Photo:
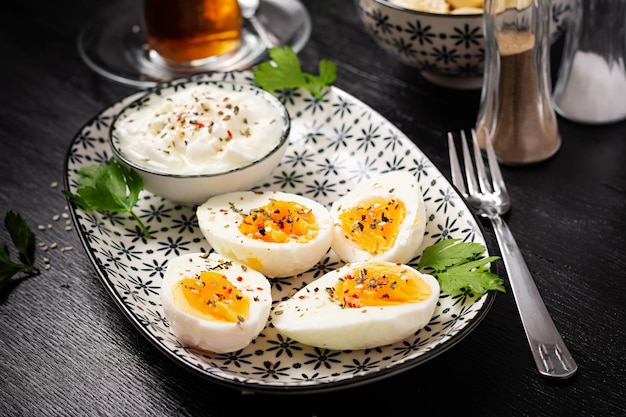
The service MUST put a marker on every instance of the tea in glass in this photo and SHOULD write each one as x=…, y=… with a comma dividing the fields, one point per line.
x=191, y=30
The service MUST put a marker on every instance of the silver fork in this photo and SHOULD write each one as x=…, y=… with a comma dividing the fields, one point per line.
x=490, y=199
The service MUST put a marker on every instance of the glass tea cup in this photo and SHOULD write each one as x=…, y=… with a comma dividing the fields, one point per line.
x=188, y=31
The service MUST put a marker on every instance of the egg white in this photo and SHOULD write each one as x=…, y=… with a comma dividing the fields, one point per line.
x=313, y=318
x=398, y=185
x=219, y=220
x=215, y=336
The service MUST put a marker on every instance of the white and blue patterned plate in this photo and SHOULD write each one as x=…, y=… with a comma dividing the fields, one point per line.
x=335, y=143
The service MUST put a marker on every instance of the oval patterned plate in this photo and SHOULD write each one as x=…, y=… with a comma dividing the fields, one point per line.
x=335, y=143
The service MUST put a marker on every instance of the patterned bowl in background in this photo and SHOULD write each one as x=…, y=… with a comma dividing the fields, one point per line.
x=447, y=49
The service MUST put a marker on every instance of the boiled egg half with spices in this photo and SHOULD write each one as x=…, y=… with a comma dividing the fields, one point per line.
x=279, y=234
x=213, y=303
x=381, y=219
x=359, y=306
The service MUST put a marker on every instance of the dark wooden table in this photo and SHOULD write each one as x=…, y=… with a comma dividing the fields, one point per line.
x=67, y=350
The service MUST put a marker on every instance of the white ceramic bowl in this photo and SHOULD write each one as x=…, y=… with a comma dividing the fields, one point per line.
x=195, y=188
x=447, y=49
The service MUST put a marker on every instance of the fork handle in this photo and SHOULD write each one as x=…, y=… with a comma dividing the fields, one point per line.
x=548, y=348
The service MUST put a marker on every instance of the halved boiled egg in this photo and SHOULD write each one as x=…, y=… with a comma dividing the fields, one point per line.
x=279, y=234
x=213, y=303
x=359, y=306
x=382, y=219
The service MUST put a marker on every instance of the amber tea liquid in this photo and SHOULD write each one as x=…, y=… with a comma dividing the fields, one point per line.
x=189, y=30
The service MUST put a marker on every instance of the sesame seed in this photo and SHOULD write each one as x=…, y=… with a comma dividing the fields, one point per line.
x=56, y=217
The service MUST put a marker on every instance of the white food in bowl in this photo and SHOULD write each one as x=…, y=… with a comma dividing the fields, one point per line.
x=196, y=139
x=202, y=130
x=456, y=6
x=432, y=6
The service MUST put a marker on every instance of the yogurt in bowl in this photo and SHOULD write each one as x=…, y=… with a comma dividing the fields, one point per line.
x=192, y=140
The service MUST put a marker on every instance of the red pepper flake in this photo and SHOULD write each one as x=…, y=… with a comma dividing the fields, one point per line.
x=230, y=134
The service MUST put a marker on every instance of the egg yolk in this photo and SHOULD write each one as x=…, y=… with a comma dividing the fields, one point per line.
x=213, y=297
x=380, y=285
x=280, y=222
x=375, y=225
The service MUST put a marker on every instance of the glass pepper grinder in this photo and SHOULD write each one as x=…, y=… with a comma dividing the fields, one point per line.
x=591, y=83
x=515, y=104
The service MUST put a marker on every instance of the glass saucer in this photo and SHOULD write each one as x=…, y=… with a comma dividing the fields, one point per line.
x=114, y=44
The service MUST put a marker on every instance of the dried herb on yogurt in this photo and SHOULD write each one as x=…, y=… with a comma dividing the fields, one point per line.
x=458, y=266
x=24, y=241
x=108, y=187
x=284, y=71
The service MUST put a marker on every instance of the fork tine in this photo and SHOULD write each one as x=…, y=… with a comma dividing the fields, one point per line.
x=483, y=179
x=472, y=185
x=499, y=186
x=455, y=169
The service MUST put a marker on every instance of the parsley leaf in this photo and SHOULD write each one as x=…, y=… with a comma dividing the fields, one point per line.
x=108, y=187
x=22, y=236
x=284, y=71
x=24, y=240
x=457, y=267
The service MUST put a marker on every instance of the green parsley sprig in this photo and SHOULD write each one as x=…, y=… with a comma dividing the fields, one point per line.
x=458, y=266
x=24, y=241
x=108, y=187
x=284, y=71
